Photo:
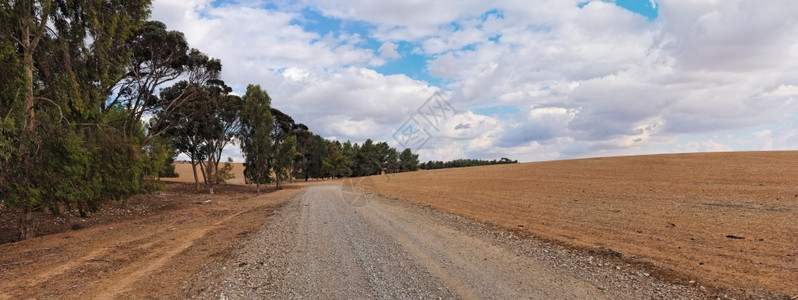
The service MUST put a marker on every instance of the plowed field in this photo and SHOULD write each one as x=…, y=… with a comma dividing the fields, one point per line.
x=726, y=220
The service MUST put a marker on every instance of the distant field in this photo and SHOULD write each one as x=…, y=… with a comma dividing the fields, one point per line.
x=185, y=173
x=721, y=219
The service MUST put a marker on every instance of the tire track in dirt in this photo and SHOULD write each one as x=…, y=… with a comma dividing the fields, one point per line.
x=157, y=259
x=110, y=260
x=48, y=274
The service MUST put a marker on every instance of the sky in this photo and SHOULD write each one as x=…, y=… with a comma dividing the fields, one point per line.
x=529, y=80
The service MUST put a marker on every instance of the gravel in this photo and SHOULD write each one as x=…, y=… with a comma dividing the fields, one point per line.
x=316, y=246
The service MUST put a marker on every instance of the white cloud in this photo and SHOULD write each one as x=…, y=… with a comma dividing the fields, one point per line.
x=351, y=103
x=596, y=80
x=388, y=50
x=706, y=146
x=729, y=36
x=252, y=41
x=401, y=19
x=764, y=138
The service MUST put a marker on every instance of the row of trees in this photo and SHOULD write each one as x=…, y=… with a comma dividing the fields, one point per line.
x=95, y=102
x=459, y=163
x=269, y=140
x=333, y=159
x=275, y=147
x=86, y=115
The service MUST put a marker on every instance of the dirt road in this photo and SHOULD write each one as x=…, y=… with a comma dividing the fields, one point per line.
x=317, y=246
x=152, y=257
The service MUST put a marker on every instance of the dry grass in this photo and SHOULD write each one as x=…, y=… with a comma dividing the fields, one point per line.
x=726, y=220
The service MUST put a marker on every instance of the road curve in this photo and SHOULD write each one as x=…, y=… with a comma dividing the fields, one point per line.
x=318, y=246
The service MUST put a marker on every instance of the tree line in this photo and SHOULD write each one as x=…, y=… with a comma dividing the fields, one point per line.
x=96, y=102
x=459, y=163
x=333, y=159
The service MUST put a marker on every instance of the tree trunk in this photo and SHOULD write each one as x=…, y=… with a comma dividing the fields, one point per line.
x=29, y=93
x=204, y=175
x=26, y=228
x=196, y=178
x=27, y=48
x=210, y=177
x=257, y=188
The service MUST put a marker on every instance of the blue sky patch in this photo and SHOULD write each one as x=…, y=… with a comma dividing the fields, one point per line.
x=495, y=110
x=641, y=7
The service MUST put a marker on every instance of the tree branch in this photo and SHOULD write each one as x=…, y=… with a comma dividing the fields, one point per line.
x=60, y=112
x=39, y=32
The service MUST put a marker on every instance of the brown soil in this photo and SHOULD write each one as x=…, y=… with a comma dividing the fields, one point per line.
x=724, y=220
x=135, y=254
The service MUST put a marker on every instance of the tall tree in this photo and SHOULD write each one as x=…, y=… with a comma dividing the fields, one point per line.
x=223, y=118
x=184, y=127
x=304, y=139
x=202, y=126
x=256, y=129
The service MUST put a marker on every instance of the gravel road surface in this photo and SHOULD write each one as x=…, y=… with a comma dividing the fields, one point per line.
x=316, y=246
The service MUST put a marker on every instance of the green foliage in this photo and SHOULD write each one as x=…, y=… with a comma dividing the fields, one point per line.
x=459, y=163
x=318, y=151
x=283, y=161
x=333, y=159
x=408, y=161
x=59, y=63
x=183, y=128
x=335, y=163
x=255, y=135
x=368, y=159
x=159, y=159
x=201, y=126
x=226, y=172
x=159, y=56
x=221, y=127
x=168, y=168
x=12, y=80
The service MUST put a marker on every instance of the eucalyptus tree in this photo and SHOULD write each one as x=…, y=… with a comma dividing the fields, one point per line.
x=201, y=127
x=223, y=118
x=257, y=125
x=183, y=127
x=59, y=61
x=160, y=56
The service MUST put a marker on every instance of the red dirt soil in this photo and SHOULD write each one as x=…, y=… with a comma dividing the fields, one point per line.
x=723, y=220
x=137, y=255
